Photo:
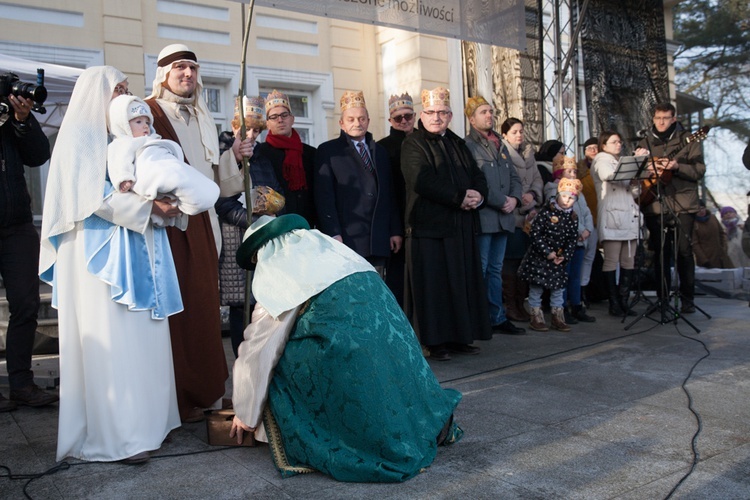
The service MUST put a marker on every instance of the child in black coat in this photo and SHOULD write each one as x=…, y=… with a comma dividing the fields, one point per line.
x=554, y=233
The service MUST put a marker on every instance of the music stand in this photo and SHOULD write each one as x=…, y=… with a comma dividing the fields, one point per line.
x=631, y=167
x=668, y=313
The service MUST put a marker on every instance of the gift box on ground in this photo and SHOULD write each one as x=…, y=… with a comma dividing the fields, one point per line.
x=218, y=425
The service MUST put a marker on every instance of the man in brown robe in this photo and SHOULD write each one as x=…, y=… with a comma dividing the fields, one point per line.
x=180, y=114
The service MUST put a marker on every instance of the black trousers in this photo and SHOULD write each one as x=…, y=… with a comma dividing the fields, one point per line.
x=685, y=262
x=19, y=267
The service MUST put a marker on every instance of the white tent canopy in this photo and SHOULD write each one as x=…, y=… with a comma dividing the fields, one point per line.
x=58, y=80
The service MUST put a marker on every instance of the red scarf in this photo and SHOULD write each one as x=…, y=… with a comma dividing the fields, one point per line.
x=493, y=138
x=293, y=171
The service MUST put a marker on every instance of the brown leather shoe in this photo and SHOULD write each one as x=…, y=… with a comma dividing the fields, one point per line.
x=33, y=395
x=7, y=405
x=137, y=459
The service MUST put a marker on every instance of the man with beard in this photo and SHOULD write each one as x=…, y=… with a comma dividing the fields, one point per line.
x=496, y=220
x=444, y=189
x=180, y=114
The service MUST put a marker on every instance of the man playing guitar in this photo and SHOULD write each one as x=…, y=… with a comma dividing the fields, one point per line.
x=678, y=184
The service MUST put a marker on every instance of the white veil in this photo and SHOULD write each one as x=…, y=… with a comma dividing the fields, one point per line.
x=75, y=186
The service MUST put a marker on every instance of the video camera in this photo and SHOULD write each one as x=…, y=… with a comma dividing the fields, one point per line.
x=11, y=84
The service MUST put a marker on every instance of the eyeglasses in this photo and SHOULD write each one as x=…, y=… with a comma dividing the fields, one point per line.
x=399, y=118
x=120, y=90
x=283, y=116
x=441, y=114
x=592, y=148
x=614, y=143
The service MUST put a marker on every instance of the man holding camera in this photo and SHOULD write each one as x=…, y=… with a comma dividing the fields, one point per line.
x=22, y=142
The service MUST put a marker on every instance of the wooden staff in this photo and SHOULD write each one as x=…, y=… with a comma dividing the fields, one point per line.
x=243, y=135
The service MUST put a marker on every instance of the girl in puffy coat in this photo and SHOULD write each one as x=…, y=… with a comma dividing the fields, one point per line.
x=619, y=220
x=554, y=233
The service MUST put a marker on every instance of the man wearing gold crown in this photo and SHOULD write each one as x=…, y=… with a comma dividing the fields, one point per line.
x=353, y=188
x=402, y=120
x=181, y=115
x=292, y=160
x=444, y=189
x=496, y=220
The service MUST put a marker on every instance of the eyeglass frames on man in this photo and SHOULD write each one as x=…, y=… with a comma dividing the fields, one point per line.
x=399, y=118
x=283, y=116
x=122, y=90
x=441, y=113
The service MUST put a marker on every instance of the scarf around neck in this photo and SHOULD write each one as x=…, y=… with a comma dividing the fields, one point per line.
x=518, y=160
x=292, y=167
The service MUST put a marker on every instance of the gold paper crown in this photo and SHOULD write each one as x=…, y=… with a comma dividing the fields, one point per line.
x=276, y=98
x=472, y=104
x=565, y=163
x=253, y=107
x=572, y=186
x=436, y=96
x=400, y=101
x=352, y=99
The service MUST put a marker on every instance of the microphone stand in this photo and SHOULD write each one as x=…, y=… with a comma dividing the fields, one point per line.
x=668, y=313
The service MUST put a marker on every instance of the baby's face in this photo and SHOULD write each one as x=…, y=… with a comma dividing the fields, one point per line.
x=140, y=126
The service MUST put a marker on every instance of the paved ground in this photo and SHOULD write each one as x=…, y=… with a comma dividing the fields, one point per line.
x=596, y=413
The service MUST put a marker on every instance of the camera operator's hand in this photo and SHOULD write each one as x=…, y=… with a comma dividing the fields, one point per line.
x=21, y=107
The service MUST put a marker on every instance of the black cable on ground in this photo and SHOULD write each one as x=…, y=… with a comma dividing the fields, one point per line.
x=62, y=466
x=699, y=421
x=65, y=465
x=693, y=443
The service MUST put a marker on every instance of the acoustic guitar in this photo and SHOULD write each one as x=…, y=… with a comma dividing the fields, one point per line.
x=648, y=186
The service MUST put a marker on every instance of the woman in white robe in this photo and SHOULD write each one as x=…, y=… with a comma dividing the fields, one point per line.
x=117, y=392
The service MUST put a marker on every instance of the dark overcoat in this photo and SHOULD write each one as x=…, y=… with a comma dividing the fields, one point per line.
x=352, y=202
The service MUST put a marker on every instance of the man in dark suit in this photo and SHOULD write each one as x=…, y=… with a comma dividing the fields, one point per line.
x=353, y=188
x=402, y=120
x=292, y=160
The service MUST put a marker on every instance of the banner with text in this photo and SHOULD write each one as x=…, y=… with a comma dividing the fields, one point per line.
x=494, y=22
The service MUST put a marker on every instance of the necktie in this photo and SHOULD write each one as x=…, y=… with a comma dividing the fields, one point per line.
x=365, y=156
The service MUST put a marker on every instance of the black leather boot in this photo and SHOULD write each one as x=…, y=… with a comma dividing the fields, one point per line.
x=615, y=309
x=626, y=279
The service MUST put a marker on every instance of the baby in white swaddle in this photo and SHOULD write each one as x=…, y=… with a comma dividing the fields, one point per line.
x=140, y=160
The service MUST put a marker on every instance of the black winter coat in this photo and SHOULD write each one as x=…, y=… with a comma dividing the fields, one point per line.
x=392, y=144
x=553, y=230
x=433, y=196
x=297, y=202
x=681, y=193
x=20, y=144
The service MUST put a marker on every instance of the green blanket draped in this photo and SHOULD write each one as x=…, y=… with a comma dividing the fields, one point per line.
x=352, y=396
